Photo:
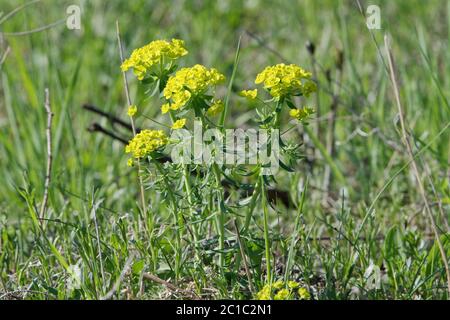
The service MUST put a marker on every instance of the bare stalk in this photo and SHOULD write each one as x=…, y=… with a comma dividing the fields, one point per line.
x=49, y=154
x=331, y=139
x=170, y=286
x=406, y=141
x=127, y=93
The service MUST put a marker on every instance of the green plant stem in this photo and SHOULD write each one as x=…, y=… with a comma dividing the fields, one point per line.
x=294, y=235
x=220, y=217
x=267, y=243
x=188, y=188
x=178, y=219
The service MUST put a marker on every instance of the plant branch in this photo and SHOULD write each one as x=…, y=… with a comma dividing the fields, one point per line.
x=49, y=153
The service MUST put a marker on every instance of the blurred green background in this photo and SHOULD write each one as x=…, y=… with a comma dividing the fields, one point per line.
x=83, y=67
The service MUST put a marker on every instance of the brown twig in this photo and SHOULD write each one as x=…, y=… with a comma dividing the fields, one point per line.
x=95, y=127
x=49, y=153
x=113, y=119
x=171, y=287
x=406, y=141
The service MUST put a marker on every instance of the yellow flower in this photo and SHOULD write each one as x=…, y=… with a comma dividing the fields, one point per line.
x=308, y=88
x=188, y=82
x=280, y=290
x=145, y=142
x=132, y=110
x=293, y=285
x=283, y=294
x=301, y=114
x=304, y=294
x=282, y=80
x=216, y=108
x=264, y=294
x=278, y=285
x=250, y=94
x=130, y=162
x=154, y=53
x=165, y=108
x=179, y=124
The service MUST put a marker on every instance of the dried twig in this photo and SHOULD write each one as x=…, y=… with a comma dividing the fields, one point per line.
x=127, y=93
x=95, y=127
x=168, y=285
x=116, y=285
x=406, y=141
x=49, y=153
x=113, y=119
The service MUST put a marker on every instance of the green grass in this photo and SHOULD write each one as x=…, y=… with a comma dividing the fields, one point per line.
x=366, y=238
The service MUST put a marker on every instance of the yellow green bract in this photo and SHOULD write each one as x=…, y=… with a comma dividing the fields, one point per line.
x=188, y=82
x=250, y=94
x=215, y=108
x=301, y=114
x=179, y=124
x=280, y=290
x=282, y=80
x=145, y=142
x=156, y=52
x=132, y=110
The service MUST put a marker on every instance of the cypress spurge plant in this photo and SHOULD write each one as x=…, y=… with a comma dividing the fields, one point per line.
x=206, y=192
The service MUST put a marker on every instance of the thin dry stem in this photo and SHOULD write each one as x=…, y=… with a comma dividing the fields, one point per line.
x=171, y=287
x=405, y=138
x=49, y=154
x=127, y=93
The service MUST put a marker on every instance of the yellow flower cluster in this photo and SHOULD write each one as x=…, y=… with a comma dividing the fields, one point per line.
x=283, y=291
x=215, y=108
x=179, y=124
x=132, y=110
x=156, y=52
x=188, y=82
x=249, y=94
x=282, y=80
x=145, y=142
x=301, y=114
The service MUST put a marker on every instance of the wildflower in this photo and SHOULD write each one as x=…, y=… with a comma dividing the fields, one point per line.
x=146, y=142
x=282, y=80
x=216, y=108
x=280, y=290
x=283, y=294
x=301, y=114
x=132, y=110
x=264, y=294
x=189, y=82
x=249, y=94
x=179, y=124
x=165, y=108
x=278, y=284
x=155, y=53
x=293, y=285
x=304, y=294
x=130, y=162
x=308, y=88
